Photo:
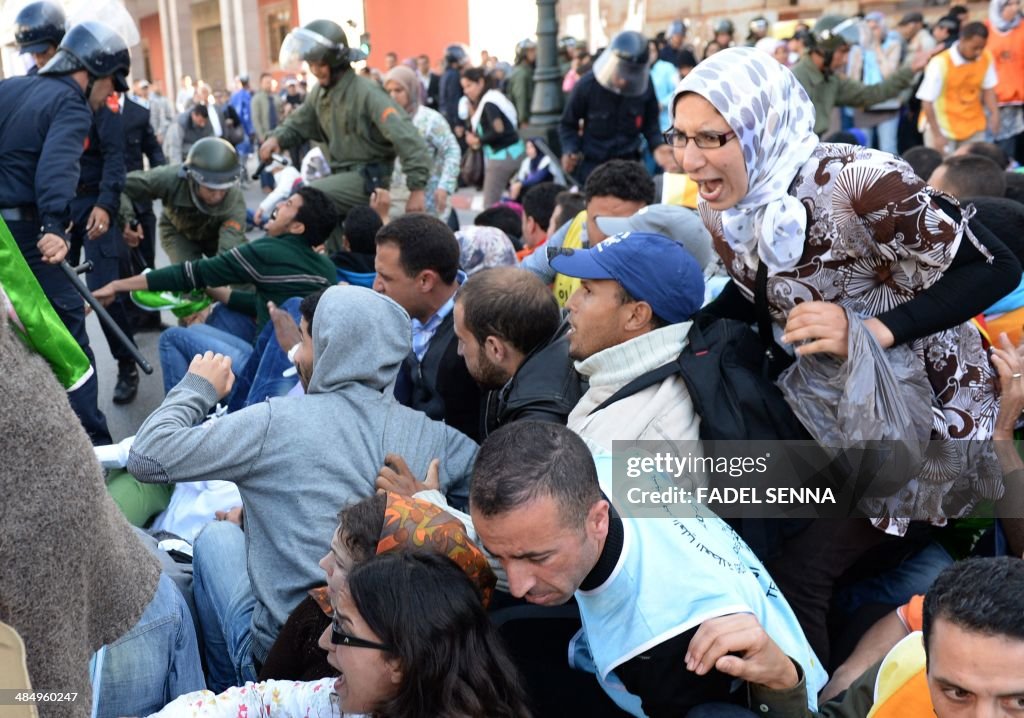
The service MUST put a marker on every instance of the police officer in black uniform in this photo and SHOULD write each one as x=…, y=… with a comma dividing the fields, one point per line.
x=43, y=129
x=617, y=108
x=449, y=88
x=95, y=230
x=140, y=141
x=38, y=30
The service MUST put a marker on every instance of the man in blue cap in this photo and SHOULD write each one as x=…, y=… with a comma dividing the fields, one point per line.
x=631, y=315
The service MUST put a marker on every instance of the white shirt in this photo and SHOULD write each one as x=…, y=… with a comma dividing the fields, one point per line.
x=934, y=80
x=214, y=119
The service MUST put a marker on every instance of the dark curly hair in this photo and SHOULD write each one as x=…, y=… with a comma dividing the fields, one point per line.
x=318, y=214
x=623, y=179
x=980, y=595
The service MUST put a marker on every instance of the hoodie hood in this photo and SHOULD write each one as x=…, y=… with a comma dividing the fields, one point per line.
x=359, y=337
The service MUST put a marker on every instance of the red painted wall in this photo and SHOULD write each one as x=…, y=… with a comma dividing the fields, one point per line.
x=411, y=27
x=149, y=30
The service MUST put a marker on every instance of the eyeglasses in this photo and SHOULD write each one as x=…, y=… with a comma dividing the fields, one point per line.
x=340, y=638
x=704, y=140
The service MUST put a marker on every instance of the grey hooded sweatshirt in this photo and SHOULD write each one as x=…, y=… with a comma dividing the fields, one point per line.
x=298, y=460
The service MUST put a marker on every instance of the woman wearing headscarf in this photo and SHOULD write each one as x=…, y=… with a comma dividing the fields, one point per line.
x=482, y=248
x=445, y=155
x=382, y=522
x=775, y=47
x=828, y=228
x=1006, y=43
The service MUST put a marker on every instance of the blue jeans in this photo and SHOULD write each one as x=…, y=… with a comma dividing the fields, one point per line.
x=262, y=377
x=232, y=322
x=897, y=585
x=886, y=135
x=152, y=664
x=225, y=603
x=179, y=345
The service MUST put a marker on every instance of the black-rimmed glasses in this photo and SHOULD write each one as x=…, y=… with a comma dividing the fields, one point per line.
x=340, y=638
x=704, y=140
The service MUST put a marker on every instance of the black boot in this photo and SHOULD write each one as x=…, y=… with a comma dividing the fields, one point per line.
x=127, y=383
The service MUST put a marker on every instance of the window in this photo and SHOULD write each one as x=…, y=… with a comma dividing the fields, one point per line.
x=279, y=24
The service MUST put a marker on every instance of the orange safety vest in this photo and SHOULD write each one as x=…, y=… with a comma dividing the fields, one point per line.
x=901, y=686
x=958, y=108
x=1007, y=50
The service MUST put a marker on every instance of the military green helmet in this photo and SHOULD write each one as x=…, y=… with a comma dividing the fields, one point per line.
x=832, y=32
x=212, y=162
x=319, y=41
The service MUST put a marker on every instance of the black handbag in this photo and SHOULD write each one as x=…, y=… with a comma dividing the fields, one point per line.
x=471, y=173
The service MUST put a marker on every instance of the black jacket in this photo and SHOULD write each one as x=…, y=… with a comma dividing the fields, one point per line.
x=440, y=386
x=102, y=166
x=139, y=137
x=43, y=128
x=546, y=388
x=433, y=92
x=613, y=125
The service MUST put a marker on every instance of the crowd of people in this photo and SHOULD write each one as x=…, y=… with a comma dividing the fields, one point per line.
x=384, y=479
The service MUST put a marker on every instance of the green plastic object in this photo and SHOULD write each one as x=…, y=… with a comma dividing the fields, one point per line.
x=181, y=304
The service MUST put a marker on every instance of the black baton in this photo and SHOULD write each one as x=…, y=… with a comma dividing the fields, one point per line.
x=259, y=170
x=105, y=317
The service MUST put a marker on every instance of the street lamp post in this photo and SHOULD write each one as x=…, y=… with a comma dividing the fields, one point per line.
x=546, y=108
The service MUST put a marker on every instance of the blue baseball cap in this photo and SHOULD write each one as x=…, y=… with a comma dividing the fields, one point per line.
x=651, y=267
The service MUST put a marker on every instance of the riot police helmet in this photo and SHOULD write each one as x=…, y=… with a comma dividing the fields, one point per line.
x=212, y=162
x=95, y=48
x=320, y=41
x=832, y=33
x=725, y=27
x=676, y=27
x=455, y=55
x=524, y=46
x=622, y=68
x=759, y=26
x=39, y=25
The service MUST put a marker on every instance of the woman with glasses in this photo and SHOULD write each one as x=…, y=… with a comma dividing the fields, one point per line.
x=363, y=645
x=432, y=649
x=823, y=228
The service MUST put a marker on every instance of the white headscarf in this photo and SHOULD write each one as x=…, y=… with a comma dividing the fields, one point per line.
x=995, y=16
x=773, y=119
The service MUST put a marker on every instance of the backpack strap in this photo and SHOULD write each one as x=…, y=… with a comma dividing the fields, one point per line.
x=650, y=378
x=695, y=344
x=776, y=356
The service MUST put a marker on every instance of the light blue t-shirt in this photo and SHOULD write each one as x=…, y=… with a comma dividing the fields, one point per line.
x=672, y=575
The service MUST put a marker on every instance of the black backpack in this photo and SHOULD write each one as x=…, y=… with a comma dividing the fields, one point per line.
x=730, y=371
x=726, y=368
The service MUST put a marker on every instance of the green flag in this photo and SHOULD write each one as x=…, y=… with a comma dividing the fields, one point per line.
x=34, y=318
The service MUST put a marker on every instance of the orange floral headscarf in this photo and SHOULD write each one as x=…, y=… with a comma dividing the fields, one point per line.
x=411, y=523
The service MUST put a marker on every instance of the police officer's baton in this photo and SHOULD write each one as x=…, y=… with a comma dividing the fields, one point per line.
x=105, y=317
x=259, y=170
